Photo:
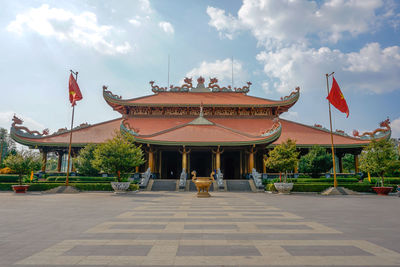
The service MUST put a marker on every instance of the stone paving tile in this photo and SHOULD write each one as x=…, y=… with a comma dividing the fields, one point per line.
x=107, y=250
x=210, y=226
x=179, y=229
x=325, y=251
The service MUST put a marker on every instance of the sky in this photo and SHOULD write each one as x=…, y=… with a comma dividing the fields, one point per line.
x=277, y=45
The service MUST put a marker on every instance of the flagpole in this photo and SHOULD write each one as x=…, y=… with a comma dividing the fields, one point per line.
x=70, y=135
x=330, y=123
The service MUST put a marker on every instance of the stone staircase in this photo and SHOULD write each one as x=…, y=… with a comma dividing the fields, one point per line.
x=238, y=186
x=164, y=185
x=173, y=185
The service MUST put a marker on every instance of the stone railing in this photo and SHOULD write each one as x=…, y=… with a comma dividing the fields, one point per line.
x=144, y=181
x=220, y=179
x=182, y=179
x=257, y=179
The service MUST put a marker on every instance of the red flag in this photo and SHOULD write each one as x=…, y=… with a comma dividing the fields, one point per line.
x=74, y=91
x=337, y=99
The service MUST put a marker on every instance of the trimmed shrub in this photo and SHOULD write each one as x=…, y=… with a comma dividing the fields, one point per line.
x=328, y=180
x=80, y=186
x=9, y=178
x=81, y=179
x=319, y=187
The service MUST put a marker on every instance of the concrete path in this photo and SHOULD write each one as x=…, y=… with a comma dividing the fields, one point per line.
x=176, y=228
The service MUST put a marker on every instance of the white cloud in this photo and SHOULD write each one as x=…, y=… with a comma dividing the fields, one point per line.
x=135, y=22
x=145, y=6
x=290, y=115
x=372, y=58
x=82, y=29
x=222, y=70
x=223, y=22
x=395, y=128
x=266, y=87
x=166, y=27
x=372, y=69
x=6, y=121
x=273, y=22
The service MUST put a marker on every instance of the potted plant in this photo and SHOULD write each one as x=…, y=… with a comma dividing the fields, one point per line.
x=283, y=158
x=379, y=157
x=22, y=163
x=118, y=155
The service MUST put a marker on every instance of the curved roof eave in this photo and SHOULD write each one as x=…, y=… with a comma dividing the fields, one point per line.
x=267, y=139
x=112, y=99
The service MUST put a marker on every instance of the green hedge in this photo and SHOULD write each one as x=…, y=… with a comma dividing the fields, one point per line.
x=8, y=178
x=80, y=186
x=327, y=180
x=319, y=187
x=389, y=180
x=313, y=180
x=80, y=178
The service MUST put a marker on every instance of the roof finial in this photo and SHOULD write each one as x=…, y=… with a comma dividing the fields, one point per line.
x=201, y=109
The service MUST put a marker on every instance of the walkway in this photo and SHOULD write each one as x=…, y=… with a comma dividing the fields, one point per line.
x=171, y=228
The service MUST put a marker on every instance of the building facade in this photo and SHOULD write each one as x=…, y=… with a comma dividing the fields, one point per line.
x=200, y=128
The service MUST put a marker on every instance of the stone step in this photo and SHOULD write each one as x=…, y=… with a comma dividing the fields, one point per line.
x=164, y=185
x=238, y=186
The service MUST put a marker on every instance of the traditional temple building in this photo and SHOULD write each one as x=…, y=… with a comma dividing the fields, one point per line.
x=200, y=128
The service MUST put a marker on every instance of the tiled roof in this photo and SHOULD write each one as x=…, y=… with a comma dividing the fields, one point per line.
x=195, y=99
x=178, y=130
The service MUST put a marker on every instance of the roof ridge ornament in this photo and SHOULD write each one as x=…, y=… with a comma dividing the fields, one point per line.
x=212, y=87
x=377, y=133
x=109, y=93
x=292, y=94
x=274, y=128
x=24, y=130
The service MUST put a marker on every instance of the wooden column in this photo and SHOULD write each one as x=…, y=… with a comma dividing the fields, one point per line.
x=73, y=156
x=251, y=159
x=137, y=169
x=59, y=162
x=185, y=153
x=340, y=157
x=44, y=160
x=151, y=160
x=217, y=153
x=356, y=169
x=265, y=164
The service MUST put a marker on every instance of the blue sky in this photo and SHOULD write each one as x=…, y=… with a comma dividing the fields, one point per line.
x=277, y=45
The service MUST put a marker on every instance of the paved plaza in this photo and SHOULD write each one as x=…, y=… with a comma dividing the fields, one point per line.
x=176, y=228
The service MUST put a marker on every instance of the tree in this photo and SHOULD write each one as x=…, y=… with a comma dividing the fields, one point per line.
x=84, y=162
x=379, y=157
x=23, y=163
x=118, y=155
x=316, y=161
x=283, y=157
x=7, y=145
x=348, y=162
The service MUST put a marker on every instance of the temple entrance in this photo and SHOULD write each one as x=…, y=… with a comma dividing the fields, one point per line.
x=171, y=164
x=201, y=162
x=230, y=164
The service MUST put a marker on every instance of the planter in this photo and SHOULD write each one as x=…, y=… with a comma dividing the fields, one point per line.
x=20, y=188
x=120, y=187
x=283, y=188
x=383, y=190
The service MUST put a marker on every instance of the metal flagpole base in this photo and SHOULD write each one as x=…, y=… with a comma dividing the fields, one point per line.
x=338, y=191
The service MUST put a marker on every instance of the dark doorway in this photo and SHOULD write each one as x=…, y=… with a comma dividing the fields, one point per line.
x=230, y=164
x=171, y=164
x=200, y=161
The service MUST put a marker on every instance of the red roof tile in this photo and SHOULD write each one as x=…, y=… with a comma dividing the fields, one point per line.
x=191, y=98
x=177, y=129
